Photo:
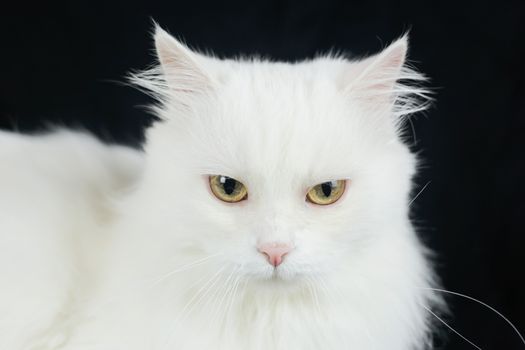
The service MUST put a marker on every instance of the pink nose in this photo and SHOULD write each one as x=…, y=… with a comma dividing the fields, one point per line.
x=275, y=252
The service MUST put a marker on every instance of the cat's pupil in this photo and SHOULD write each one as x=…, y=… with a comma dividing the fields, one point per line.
x=229, y=185
x=326, y=188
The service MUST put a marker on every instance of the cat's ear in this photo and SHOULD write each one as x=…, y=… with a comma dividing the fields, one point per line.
x=384, y=81
x=181, y=67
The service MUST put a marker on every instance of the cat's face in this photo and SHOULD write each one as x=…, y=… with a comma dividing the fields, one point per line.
x=276, y=131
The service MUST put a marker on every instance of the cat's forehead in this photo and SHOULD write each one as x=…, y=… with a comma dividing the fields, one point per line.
x=276, y=118
x=277, y=93
x=282, y=77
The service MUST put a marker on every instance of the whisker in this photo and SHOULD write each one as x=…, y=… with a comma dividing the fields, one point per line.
x=221, y=296
x=326, y=290
x=313, y=292
x=228, y=309
x=417, y=195
x=483, y=304
x=451, y=328
x=232, y=298
x=184, y=268
x=203, y=292
x=142, y=286
x=206, y=287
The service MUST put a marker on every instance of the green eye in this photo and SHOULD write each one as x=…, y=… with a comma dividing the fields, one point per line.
x=327, y=192
x=228, y=189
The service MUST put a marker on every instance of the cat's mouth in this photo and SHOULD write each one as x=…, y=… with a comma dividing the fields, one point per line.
x=273, y=275
x=282, y=274
x=281, y=281
x=289, y=272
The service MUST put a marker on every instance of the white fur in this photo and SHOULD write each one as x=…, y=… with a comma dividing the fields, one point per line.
x=55, y=194
x=172, y=267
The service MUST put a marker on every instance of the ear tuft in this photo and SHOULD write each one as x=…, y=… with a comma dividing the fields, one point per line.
x=170, y=51
x=179, y=64
x=178, y=79
x=385, y=81
x=394, y=56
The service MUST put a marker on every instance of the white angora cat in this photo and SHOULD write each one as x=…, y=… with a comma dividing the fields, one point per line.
x=269, y=210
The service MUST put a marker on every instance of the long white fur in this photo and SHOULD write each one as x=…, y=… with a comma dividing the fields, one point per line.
x=169, y=266
x=55, y=194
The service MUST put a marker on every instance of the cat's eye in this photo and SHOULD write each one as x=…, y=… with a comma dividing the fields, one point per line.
x=327, y=192
x=228, y=189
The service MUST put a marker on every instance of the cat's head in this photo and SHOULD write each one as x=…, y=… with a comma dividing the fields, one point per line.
x=276, y=171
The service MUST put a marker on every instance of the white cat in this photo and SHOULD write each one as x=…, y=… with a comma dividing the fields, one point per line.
x=269, y=210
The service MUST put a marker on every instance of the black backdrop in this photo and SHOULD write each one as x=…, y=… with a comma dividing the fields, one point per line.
x=60, y=62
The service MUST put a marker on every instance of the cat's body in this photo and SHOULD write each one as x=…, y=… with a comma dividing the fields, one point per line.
x=56, y=192
x=149, y=259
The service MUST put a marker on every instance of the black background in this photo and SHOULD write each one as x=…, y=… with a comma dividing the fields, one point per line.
x=61, y=62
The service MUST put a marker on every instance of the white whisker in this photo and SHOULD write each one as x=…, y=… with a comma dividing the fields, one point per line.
x=227, y=318
x=188, y=307
x=203, y=292
x=451, y=328
x=221, y=295
x=184, y=268
x=313, y=291
x=232, y=298
x=417, y=195
x=483, y=304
